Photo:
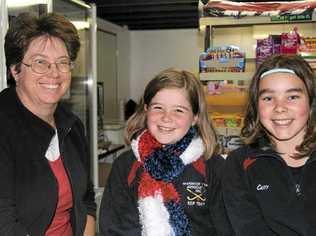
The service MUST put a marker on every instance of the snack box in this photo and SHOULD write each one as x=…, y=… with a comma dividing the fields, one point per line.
x=226, y=120
x=226, y=95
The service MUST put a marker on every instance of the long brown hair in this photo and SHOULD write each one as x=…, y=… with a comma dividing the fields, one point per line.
x=253, y=130
x=173, y=78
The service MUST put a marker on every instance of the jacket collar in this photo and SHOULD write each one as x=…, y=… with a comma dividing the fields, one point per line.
x=263, y=148
x=28, y=122
x=313, y=157
x=64, y=119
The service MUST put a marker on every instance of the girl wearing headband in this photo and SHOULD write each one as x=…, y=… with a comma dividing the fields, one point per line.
x=269, y=186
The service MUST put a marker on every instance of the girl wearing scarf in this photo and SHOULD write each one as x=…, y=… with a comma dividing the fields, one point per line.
x=168, y=184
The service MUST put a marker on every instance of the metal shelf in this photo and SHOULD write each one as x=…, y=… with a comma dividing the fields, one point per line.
x=246, y=20
x=235, y=76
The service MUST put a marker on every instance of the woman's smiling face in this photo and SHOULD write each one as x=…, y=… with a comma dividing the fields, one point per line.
x=38, y=91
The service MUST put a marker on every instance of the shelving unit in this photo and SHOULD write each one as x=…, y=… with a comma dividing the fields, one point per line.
x=246, y=20
x=253, y=26
x=215, y=76
x=230, y=22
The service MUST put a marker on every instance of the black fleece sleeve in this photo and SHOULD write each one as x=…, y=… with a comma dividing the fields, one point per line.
x=89, y=197
x=216, y=203
x=118, y=211
x=241, y=204
x=10, y=225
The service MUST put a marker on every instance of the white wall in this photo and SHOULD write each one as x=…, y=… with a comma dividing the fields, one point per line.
x=153, y=51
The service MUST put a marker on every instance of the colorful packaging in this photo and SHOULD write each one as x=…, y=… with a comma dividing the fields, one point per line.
x=267, y=47
x=229, y=120
x=222, y=59
x=307, y=49
x=264, y=49
x=290, y=42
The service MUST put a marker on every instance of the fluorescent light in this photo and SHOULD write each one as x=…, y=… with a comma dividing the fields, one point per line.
x=24, y=3
x=81, y=24
x=79, y=2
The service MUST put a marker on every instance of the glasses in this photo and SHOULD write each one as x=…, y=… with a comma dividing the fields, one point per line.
x=41, y=66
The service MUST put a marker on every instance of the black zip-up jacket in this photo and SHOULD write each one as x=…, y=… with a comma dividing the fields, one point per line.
x=28, y=187
x=201, y=197
x=261, y=197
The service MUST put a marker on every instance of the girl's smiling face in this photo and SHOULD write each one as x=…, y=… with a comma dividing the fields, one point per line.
x=169, y=115
x=284, y=108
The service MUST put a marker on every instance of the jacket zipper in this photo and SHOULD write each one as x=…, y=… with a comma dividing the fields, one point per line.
x=298, y=187
x=56, y=197
x=52, y=215
x=68, y=174
x=56, y=184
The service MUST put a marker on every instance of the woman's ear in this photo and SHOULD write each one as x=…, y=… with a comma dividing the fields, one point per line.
x=145, y=107
x=14, y=73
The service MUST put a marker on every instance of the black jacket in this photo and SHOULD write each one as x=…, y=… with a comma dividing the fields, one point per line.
x=261, y=196
x=28, y=187
x=119, y=215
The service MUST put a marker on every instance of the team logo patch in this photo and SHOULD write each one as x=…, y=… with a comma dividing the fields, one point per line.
x=195, y=193
x=263, y=187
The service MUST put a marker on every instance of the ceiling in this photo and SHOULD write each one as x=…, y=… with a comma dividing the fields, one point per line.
x=153, y=14
x=149, y=14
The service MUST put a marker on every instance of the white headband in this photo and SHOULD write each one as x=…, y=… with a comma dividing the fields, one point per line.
x=277, y=70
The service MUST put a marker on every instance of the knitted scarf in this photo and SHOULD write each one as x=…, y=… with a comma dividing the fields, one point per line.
x=159, y=203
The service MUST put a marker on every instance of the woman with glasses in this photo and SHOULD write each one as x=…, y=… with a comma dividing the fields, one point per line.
x=44, y=162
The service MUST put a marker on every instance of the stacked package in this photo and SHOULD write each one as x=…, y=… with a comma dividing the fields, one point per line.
x=307, y=49
x=267, y=47
x=286, y=43
x=222, y=59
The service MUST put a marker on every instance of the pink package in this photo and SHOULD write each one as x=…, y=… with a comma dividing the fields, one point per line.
x=290, y=42
x=264, y=49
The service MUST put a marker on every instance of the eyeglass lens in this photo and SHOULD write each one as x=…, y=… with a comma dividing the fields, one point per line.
x=40, y=66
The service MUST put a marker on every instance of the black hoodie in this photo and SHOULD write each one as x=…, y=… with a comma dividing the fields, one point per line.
x=262, y=198
x=119, y=213
x=28, y=187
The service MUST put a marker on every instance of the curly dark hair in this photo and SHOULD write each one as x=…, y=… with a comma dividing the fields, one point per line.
x=253, y=131
x=27, y=27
